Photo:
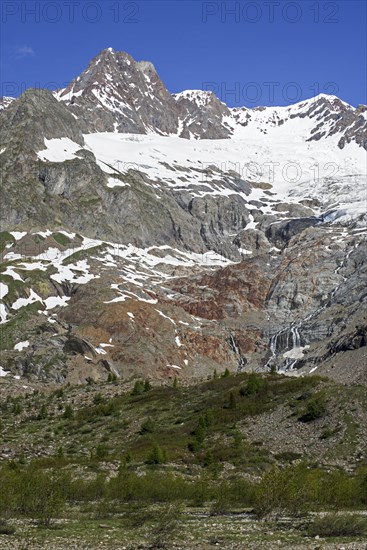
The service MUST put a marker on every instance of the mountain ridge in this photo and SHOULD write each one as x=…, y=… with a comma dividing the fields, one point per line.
x=130, y=97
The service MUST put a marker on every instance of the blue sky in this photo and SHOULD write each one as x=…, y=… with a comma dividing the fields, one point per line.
x=249, y=53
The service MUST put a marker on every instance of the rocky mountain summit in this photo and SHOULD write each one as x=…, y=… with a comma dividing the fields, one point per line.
x=145, y=233
x=115, y=93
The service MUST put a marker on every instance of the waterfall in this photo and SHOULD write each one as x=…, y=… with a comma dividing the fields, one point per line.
x=287, y=344
x=236, y=350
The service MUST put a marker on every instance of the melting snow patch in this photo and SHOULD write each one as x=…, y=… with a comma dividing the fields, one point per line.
x=120, y=298
x=66, y=273
x=21, y=345
x=18, y=234
x=21, y=302
x=3, y=290
x=43, y=234
x=101, y=351
x=54, y=301
x=165, y=316
x=114, y=182
x=12, y=256
x=178, y=341
x=59, y=150
x=11, y=273
x=3, y=314
x=295, y=353
x=3, y=372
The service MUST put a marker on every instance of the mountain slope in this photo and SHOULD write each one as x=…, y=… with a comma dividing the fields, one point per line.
x=127, y=249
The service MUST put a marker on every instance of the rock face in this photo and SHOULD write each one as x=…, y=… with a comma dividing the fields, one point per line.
x=34, y=117
x=116, y=93
x=127, y=249
x=202, y=115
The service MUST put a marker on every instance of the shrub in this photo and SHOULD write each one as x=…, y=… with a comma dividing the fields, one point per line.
x=98, y=399
x=282, y=491
x=222, y=503
x=232, y=401
x=328, y=432
x=34, y=493
x=147, y=427
x=156, y=455
x=254, y=384
x=138, y=388
x=17, y=408
x=361, y=481
x=101, y=451
x=166, y=525
x=42, y=415
x=338, y=525
x=87, y=491
x=68, y=412
x=200, y=431
x=315, y=408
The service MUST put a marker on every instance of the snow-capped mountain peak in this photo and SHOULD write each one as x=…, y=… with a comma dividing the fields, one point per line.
x=115, y=93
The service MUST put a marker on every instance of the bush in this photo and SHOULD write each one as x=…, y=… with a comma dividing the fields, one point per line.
x=87, y=491
x=328, y=432
x=153, y=487
x=68, y=412
x=33, y=493
x=232, y=401
x=147, y=427
x=288, y=456
x=98, y=399
x=338, y=525
x=42, y=415
x=200, y=431
x=112, y=378
x=254, y=385
x=101, y=451
x=138, y=388
x=166, y=525
x=156, y=455
x=282, y=491
x=315, y=408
